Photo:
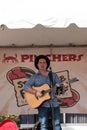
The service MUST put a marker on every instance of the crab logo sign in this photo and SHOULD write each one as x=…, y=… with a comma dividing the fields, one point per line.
x=10, y=58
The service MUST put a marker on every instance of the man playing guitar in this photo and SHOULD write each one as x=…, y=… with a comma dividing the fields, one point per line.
x=42, y=78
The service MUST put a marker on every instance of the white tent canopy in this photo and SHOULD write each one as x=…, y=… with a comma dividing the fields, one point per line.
x=19, y=20
x=44, y=36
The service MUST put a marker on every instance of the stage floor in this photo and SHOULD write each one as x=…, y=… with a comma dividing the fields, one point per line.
x=67, y=126
x=75, y=126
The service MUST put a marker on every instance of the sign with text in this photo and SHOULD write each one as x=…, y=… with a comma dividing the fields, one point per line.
x=17, y=66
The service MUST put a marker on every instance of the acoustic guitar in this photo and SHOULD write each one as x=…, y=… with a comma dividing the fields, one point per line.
x=35, y=102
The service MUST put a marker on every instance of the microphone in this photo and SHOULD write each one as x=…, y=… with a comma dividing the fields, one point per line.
x=50, y=75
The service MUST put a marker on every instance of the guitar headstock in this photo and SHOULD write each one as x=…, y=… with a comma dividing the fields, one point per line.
x=73, y=80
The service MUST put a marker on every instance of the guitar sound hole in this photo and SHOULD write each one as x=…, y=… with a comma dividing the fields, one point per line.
x=43, y=92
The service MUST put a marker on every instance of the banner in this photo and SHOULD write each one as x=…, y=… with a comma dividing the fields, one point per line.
x=17, y=65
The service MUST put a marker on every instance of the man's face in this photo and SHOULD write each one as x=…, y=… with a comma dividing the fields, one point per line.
x=42, y=64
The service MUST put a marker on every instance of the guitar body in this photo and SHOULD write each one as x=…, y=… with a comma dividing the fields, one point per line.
x=33, y=101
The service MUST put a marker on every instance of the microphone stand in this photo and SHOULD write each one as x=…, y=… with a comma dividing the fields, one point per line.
x=52, y=95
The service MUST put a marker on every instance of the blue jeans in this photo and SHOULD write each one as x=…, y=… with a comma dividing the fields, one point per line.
x=45, y=114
